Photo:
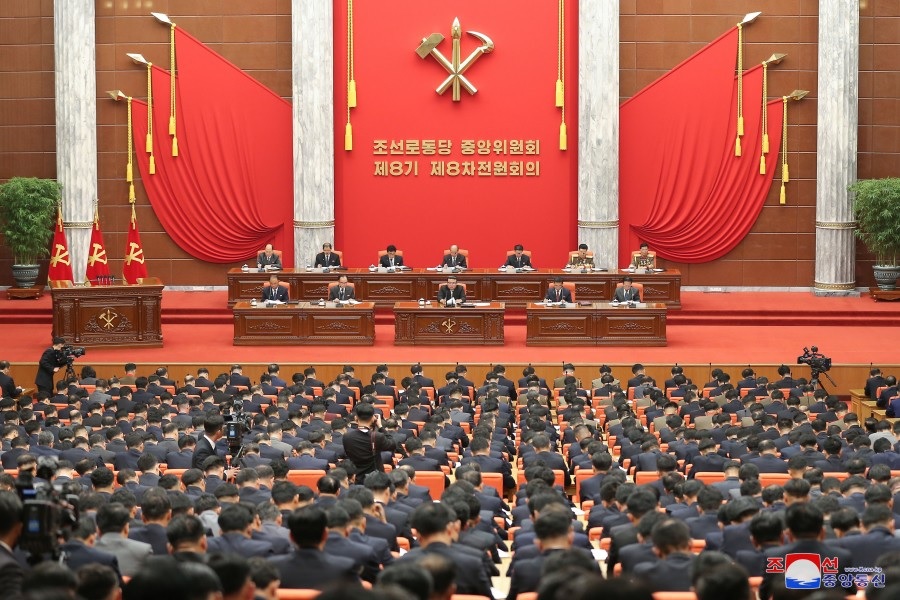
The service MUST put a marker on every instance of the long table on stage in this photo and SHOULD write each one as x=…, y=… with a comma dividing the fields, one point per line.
x=304, y=324
x=514, y=289
x=435, y=325
x=600, y=324
x=114, y=315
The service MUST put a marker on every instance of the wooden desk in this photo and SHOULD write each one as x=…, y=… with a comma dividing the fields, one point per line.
x=599, y=324
x=856, y=398
x=514, y=289
x=304, y=324
x=435, y=325
x=115, y=315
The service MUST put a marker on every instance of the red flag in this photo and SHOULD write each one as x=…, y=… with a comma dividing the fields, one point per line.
x=134, y=267
x=60, y=261
x=97, y=262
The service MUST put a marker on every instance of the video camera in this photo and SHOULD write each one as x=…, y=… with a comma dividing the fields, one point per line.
x=819, y=363
x=70, y=353
x=48, y=513
x=237, y=423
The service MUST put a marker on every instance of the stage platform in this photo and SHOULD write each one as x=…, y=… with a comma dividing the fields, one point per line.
x=736, y=328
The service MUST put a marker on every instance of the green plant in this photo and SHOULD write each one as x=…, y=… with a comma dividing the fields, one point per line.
x=28, y=216
x=877, y=207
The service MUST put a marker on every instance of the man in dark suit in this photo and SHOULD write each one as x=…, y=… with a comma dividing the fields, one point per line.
x=363, y=443
x=672, y=542
x=79, y=551
x=518, y=258
x=206, y=444
x=341, y=292
x=50, y=362
x=626, y=293
x=451, y=293
x=417, y=458
x=391, y=259
x=768, y=461
x=268, y=259
x=434, y=523
x=558, y=293
x=236, y=522
x=8, y=387
x=156, y=508
x=339, y=543
x=275, y=291
x=309, y=567
x=454, y=259
x=878, y=539
x=11, y=572
x=875, y=381
x=327, y=258
x=805, y=525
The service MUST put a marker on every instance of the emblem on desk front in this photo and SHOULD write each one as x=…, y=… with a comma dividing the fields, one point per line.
x=108, y=318
x=449, y=326
x=456, y=66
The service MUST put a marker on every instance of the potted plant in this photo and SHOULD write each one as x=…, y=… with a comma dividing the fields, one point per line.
x=877, y=208
x=28, y=208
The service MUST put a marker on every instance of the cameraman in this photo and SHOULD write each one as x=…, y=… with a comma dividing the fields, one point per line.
x=363, y=443
x=51, y=360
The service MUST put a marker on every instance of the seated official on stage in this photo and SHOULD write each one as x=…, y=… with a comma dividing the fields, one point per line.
x=643, y=258
x=342, y=291
x=518, y=258
x=268, y=259
x=627, y=293
x=455, y=259
x=451, y=293
x=327, y=258
x=581, y=258
x=275, y=291
x=558, y=293
x=391, y=258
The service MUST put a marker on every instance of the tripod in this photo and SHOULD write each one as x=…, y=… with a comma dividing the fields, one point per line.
x=816, y=383
x=70, y=371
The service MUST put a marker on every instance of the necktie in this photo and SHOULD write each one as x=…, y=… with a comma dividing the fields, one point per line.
x=392, y=262
x=558, y=292
x=454, y=261
x=341, y=290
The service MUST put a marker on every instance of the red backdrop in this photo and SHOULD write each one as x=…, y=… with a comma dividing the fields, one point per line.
x=424, y=214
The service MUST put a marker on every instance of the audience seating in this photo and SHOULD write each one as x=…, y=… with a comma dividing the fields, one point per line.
x=307, y=477
x=433, y=480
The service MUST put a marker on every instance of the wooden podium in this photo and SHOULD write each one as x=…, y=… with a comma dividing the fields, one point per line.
x=114, y=315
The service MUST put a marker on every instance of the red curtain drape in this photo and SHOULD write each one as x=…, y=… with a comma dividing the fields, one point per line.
x=682, y=189
x=230, y=190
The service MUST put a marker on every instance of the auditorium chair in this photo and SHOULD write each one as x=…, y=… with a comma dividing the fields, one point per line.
x=569, y=285
x=334, y=284
x=638, y=253
x=284, y=284
x=766, y=479
x=287, y=594
x=638, y=286
x=674, y=596
x=494, y=480
x=307, y=477
x=433, y=480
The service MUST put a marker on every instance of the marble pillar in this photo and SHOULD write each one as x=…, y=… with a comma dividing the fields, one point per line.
x=836, y=141
x=598, y=129
x=76, y=122
x=313, y=125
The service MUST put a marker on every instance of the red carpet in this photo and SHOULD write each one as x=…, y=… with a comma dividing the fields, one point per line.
x=751, y=327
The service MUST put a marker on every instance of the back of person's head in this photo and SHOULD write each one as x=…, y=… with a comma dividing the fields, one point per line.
x=804, y=520
x=112, y=518
x=431, y=518
x=235, y=517
x=158, y=577
x=766, y=527
x=670, y=535
x=722, y=581
x=185, y=529
x=308, y=526
x=411, y=577
x=443, y=574
x=96, y=582
x=233, y=571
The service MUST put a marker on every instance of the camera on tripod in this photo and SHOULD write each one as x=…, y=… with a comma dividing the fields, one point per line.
x=819, y=363
x=237, y=423
x=70, y=353
x=48, y=513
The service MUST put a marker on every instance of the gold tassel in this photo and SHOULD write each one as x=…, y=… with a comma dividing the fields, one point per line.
x=563, y=137
x=172, y=125
x=785, y=173
x=348, y=137
x=351, y=93
x=174, y=146
x=131, y=196
x=152, y=165
x=129, y=173
x=783, y=198
x=762, y=165
x=149, y=144
x=737, y=146
x=740, y=126
x=765, y=143
x=559, y=93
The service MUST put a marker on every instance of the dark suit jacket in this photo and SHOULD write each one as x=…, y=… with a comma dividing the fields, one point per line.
x=278, y=292
x=634, y=554
x=236, y=543
x=459, y=261
x=363, y=556
x=152, y=534
x=338, y=293
x=866, y=548
x=79, y=554
x=202, y=451
x=526, y=577
x=385, y=261
x=333, y=260
x=564, y=295
x=308, y=568
x=671, y=574
x=769, y=464
x=458, y=293
x=262, y=260
x=629, y=295
x=513, y=261
x=11, y=575
x=470, y=575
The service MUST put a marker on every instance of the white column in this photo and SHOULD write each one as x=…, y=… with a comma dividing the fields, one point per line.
x=837, y=133
x=313, y=99
x=598, y=129
x=76, y=122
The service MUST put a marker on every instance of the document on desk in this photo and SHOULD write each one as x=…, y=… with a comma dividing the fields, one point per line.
x=481, y=304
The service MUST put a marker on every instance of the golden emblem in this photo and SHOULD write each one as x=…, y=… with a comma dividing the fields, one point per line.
x=449, y=326
x=135, y=253
x=456, y=66
x=108, y=318
x=98, y=255
x=60, y=255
